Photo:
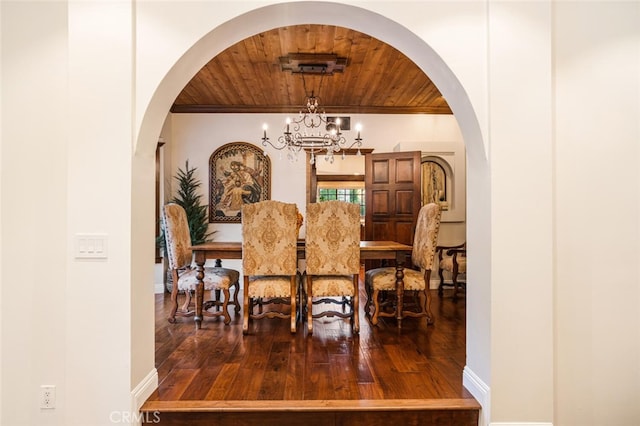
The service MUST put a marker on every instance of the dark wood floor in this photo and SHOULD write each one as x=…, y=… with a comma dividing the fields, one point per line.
x=383, y=368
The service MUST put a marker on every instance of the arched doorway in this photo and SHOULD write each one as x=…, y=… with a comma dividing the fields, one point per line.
x=478, y=331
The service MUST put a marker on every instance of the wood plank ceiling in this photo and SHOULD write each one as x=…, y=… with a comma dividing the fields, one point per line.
x=261, y=74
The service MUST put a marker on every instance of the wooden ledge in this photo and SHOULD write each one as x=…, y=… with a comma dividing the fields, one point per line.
x=312, y=405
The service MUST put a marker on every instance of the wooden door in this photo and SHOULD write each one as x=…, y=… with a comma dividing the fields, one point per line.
x=392, y=188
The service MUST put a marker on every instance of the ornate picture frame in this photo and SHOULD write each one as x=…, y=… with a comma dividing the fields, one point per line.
x=239, y=173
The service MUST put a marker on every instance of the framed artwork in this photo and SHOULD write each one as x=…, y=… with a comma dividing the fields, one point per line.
x=239, y=173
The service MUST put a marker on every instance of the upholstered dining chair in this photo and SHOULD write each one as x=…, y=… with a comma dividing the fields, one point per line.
x=269, y=261
x=422, y=256
x=185, y=279
x=332, y=253
x=453, y=261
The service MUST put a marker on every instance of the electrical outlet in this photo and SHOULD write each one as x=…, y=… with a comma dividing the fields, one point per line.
x=47, y=396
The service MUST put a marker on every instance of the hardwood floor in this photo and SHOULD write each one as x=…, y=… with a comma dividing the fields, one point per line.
x=270, y=375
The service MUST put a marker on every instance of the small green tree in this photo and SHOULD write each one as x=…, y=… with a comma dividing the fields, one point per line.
x=188, y=197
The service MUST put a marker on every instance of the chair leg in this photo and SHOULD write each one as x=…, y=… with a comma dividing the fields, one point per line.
x=454, y=278
x=309, y=304
x=293, y=297
x=174, y=298
x=376, y=307
x=355, y=313
x=245, y=301
x=236, y=294
x=441, y=286
x=174, y=305
x=367, y=304
x=302, y=299
x=187, y=301
x=225, y=304
x=427, y=295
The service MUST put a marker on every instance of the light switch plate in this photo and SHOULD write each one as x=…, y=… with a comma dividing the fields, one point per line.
x=91, y=246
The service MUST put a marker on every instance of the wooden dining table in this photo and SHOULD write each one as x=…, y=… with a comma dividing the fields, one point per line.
x=380, y=250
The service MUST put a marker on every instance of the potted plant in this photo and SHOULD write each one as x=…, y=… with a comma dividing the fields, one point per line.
x=188, y=197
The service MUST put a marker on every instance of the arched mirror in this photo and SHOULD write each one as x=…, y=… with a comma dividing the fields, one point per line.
x=434, y=182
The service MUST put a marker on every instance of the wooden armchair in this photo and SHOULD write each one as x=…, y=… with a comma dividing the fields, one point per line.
x=453, y=261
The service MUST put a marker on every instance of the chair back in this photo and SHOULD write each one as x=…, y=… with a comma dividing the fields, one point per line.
x=269, y=236
x=332, y=241
x=425, y=238
x=177, y=236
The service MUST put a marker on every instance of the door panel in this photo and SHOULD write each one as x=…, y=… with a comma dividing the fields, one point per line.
x=380, y=170
x=379, y=202
x=404, y=170
x=392, y=182
x=404, y=202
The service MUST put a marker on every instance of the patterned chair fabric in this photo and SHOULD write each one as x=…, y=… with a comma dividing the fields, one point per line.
x=425, y=238
x=424, y=247
x=269, y=236
x=179, y=254
x=214, y=279
x=264, y=286
x=384, y=279
x=453, y=260
x=447, y=264
x=332, y=252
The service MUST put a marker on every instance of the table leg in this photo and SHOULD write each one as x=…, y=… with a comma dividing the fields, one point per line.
x=199, y=290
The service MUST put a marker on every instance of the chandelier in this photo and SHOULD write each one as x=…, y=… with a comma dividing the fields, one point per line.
x=312, y=132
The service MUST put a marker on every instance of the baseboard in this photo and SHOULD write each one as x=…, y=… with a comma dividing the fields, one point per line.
x=480, y=392
x=159, y=276
x=143, y=390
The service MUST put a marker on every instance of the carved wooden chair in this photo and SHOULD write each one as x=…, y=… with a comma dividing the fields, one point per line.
x=184, y=277
x=453, y=261
x=332, y=252
x=269, y=259
x=416, y=281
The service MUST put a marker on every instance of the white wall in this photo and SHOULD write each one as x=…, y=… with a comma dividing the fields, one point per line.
x=521, y=180
x=517, y=76
x=66, y=142
x=195, y=137
x=597, y=146
x=34, y=195
x=98, y=313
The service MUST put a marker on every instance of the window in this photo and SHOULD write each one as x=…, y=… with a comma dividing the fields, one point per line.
x=343, y=194
x=352, y=192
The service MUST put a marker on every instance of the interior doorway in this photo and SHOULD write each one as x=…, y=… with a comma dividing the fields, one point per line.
x=376, y=25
